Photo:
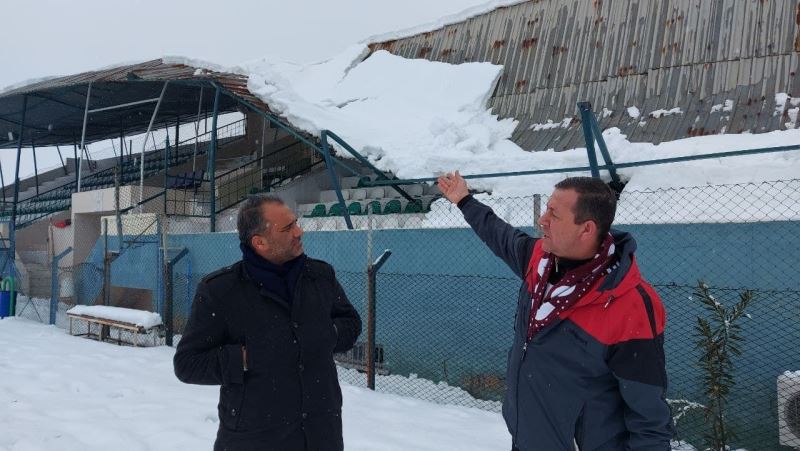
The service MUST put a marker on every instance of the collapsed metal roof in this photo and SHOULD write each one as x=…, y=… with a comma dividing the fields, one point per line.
x=690, y=67
x=55, y=107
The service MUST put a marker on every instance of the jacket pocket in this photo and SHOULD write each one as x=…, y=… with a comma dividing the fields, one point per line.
x=230, y=405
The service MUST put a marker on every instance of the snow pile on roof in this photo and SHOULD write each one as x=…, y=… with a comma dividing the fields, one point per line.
x=125, y=315
x=419, y=118
x=462, y=16
x=414, y=117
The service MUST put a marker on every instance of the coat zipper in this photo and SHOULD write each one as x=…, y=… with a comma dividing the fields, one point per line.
x=516, y=404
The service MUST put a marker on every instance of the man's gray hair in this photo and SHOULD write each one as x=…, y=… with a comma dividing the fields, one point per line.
x=250, y=221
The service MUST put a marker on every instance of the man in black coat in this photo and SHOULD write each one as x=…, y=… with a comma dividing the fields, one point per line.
x=265, y=330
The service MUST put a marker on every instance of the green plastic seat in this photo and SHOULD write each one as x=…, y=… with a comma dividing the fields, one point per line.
x=317, y=212
x=393, y=206
x=354, y=208
x=374, y=207
x=413, y=207
x=336, y=210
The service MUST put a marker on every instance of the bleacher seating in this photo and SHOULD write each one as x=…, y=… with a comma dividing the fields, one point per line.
x=389, y=208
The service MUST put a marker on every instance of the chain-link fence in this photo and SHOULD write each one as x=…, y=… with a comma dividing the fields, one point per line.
x=445, y=304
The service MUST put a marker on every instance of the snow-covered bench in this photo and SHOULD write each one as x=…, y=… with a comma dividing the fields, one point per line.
x=136, y=321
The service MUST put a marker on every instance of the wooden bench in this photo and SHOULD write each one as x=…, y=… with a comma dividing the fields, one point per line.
x=106, y=325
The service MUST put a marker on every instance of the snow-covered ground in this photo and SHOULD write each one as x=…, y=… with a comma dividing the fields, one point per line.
x=67, y=393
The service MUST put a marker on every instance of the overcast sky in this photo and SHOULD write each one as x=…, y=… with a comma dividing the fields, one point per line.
x=57, y=37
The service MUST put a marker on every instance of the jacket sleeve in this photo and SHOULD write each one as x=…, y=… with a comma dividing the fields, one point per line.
x=510, y=244
x=639, y=367
x=203, y=355
x=345, y=320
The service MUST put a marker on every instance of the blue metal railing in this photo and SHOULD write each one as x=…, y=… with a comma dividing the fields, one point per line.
x=709, y=156
x=60, y=198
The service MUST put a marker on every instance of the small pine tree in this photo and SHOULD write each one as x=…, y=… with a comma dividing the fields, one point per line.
x=719, y=340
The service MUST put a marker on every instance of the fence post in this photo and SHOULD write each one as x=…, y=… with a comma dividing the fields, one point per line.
x=372, y=271
x=169, y=298
x=586, y=115
x=106, y=266
x=537, y=212
x=54, y=283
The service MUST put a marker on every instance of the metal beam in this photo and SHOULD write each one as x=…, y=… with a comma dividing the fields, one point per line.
x=35, y=167
x=75, y=157
x=586, y=114
x=12, y=226
x=83, y=133
x=197, y=131
x=61, y=157
x=177, y=136
x=212, y=163
x=366, y=163
x=144, y=143
x=121, y=149
x=125, y=105
x=3, y=182
x=326, y=153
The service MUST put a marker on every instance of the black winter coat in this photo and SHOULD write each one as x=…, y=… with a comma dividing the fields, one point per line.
x=289, y=398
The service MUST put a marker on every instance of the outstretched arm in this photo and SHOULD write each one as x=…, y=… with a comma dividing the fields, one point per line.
x=510, y=244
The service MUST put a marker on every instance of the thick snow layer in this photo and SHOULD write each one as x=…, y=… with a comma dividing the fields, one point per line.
x=443, y=21
x=71, y=394
x=419, y=118
x=414, y=117
x=126, y=315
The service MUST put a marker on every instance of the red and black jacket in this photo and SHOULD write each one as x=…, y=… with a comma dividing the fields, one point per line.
x=595, y=376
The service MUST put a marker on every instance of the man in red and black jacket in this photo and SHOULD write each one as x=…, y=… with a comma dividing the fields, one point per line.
x=587, y=364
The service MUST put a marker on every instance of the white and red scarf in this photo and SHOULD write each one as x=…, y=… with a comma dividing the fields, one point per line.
x=547, y=301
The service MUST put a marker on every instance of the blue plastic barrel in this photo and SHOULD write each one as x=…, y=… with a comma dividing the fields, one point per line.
x=5, y=304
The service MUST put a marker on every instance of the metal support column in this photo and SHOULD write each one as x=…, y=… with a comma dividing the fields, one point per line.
x=197, y=132
x=61, y=157
x=3, y=183
x=592, y=130
x=166, y=171
x=12, y=227
x=35, y=166
x=586, y=118
x=169, y=295
x=177, y=138
x=75, y=158
x=326, y=153
x=372, y=272
x=83, y=134
x=121, y=149
x=144, y=142
x=212, y=162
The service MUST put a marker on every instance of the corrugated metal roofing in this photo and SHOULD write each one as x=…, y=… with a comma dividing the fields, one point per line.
x=55, y=106
x=689, y=54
